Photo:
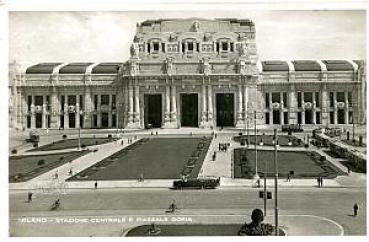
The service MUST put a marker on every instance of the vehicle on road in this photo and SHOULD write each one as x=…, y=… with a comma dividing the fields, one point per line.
x=201, y=183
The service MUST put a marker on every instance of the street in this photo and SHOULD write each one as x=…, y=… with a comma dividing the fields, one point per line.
x=331, y=203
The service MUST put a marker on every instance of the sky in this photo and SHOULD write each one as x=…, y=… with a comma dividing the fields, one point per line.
x=53, y=36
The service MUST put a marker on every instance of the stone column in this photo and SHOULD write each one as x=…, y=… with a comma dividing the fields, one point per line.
x=167, y=104
x=24, y=110
x=335, y=107
x=137, y=104
x=239, y=123
x=174, y=104
x=44, y=112
x=281, y=112
x=130, y=104
x=314, y=109
x=245, y=101
x=78, y=108
x=33, y=113
x=88, y=110
x=98, y=111
x=66, y=113
x=346, y=108
x=270, y=108
x=303, y=108
x=324, y=105
x=210, y=106
x=292, y=105
x=54, y=112
x=110, y=118
x=204, y=109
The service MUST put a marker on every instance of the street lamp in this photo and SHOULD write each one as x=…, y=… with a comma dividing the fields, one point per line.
x=275, y=139
x=79, y=130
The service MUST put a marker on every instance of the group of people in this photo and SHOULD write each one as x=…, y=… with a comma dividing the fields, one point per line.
x=224, y=146
x=320, y=181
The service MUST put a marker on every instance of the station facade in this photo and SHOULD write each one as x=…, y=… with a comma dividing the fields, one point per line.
x=189, y=73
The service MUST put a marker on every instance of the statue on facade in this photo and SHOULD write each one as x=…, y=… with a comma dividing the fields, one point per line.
x=135, y=49
x=256, y=227
x=206, y=66
x=207, y=37
x=172, y=38
x=243, y=48
x=169, y=65
x=196, y=26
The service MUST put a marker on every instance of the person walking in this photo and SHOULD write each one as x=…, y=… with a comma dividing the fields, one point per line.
x=321, y=181
x=356, y=208
x=288, y=177
x=95, y=185
x=30, y=196
x=318, y=180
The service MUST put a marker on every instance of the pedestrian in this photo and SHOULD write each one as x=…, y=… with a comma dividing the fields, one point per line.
x=288, y=177
x=157, y=133
x=214, y=155
x=356, y=208
x=30, y=196
x=258, y=182
x=56, y=175
x=122, y=143
x=318, y=180
x=95, y=184
x=321, y=182
x=348, y=171
x=71, y=171
x=219, y=146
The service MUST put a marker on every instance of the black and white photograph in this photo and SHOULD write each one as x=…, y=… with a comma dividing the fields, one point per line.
x=214, y=119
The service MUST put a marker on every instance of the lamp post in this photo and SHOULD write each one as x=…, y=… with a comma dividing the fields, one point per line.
x=79, y=130
x=275, y=139
x=256, y=149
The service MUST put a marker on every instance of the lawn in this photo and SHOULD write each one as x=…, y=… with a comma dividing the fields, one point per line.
x=24, y=168
x=304, y=164
x=191, y=230
x=268, y=139
x=155, y=158
x=72, y=143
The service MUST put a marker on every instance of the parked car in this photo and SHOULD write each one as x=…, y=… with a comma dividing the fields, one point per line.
x=203, y=183
x=292, y=128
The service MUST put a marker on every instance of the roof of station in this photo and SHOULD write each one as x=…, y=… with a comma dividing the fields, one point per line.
x=306, y=65
x=338, y=65
x=107, y=68
x=75, y=68
x=274, y=65
x=42, y=68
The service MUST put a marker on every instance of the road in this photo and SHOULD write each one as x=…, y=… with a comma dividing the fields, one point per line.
x=332, y=203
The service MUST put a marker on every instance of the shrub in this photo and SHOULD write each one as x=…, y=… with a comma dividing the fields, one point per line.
x=322, y=158
x=289, y=132
x=14, y=151
x=110, y=136
x=83, y=146
x=64, y=136
x=41, y=162
x=35, y=145
x=306, y=145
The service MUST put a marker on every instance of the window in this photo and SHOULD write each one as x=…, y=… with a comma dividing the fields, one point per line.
x=317, y=118
x=331, y=117
x=148, y=48
x=156, y=46
x=285, y=117
x=163, y=47
x=48, y=105
x=276, y=97
x=95, y=102
x=72, y=100
x=81, y=104
x=331, y=101
x=299, y=99
x=190, y=46
x=113, y=102
x=317, y=99
x=299, y=118
x=340, y=97
x=39, y=100
x=104, y=99
x=218, y=47
x=197, y=47
x=62, y=102
x=29, y=102
x=183, y=47
x=350, y=117
x=232, y=47
x=285, y=101
x=349, y=98
x=267, y=118
x=267, y=100
x=308, y=97
x=224, y=46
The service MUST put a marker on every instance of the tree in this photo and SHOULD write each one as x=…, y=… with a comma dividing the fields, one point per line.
x=256, y=227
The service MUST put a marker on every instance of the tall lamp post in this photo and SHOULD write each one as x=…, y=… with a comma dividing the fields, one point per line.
x=275, y=139
x=256, y=149
x=79, y=130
